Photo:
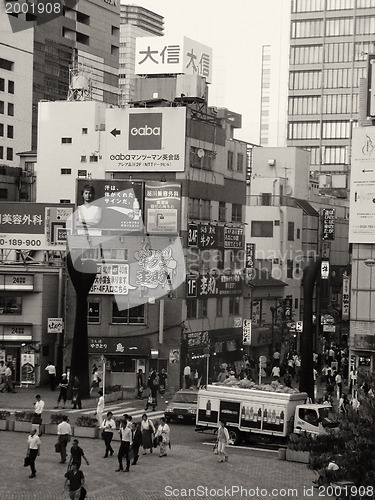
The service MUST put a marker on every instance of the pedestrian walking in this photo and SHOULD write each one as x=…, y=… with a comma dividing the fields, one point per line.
x=153, y=385
x=63, y=386
x=2, y=375
x=137, y=441
x=108, y=427
x=95, y=379
x=76, y=454
x=51, y=369
x=126, y=442
x=9, y=386
x=148, y=431
x=33, y=450
x=222, y=441
x=75, y=481
x=76, y=399
x=162, y=382
x=100, y=408
x=64, y=431
x=140, y=383
x=38, y=410
x=163, y=437
x=338, y=381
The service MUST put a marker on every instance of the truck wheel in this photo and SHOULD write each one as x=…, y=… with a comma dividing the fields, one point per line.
x=234, y=436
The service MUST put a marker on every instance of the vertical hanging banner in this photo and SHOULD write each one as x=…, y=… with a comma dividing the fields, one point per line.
x=345, y=298
x=162, y=207
x=246, y=332
x=328, y=224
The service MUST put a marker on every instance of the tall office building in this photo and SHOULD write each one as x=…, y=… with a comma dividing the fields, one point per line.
x=84, y=36
x=135, y=22
x=329, y=44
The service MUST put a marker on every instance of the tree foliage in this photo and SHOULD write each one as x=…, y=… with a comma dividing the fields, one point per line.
x=353, y=446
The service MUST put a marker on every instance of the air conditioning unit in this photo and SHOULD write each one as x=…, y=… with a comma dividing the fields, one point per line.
x=272, y=162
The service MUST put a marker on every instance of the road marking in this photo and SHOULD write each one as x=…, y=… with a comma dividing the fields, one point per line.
x=245, y=447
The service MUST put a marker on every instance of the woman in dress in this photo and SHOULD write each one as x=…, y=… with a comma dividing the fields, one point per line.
x=163, y=435
x=148, y=429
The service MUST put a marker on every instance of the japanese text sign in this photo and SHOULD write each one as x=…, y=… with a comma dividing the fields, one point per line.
x=206, y=286
x=162, y=207
x=145, y=140
x=250, y=255
x=205, y=236
x=33, y=226
x=345, y=297
x=233, y=237
x=178, y=55
x=328, y=224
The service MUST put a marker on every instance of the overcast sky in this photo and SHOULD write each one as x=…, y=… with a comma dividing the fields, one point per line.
x=236, y=31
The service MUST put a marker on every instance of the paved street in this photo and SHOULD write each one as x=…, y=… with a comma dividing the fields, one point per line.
x=153, y=477
x=190, y=464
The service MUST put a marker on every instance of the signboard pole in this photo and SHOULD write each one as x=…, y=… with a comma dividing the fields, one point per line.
x=103, y=360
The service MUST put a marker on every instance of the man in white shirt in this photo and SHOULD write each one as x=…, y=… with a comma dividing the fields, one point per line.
x=51, y=369
x=33, y=450
x=126, y=442
x=38, y=409
x=64, y=431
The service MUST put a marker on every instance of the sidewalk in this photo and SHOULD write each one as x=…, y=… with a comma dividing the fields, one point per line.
x=187, y=466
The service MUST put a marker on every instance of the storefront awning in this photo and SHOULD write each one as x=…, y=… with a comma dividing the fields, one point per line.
x=127, y=346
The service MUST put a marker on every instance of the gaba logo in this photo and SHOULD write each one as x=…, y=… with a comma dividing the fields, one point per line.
x=145, y=130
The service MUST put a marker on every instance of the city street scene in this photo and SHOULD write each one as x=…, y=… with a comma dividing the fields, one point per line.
x=187, y=249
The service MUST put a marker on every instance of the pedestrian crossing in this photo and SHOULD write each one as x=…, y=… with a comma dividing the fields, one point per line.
x=119, y=410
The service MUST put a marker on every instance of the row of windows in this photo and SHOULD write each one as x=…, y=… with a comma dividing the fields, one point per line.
x=197, y=308
x=333, y=52
x=9, y=153
x=333, y=78
x=201, y=209
x=319, y=5
x=314, y=28
x=332, y=104
x=329, y=155
x=130, y=316
x=264, y=229
x=302, y=80
x=316, y=130
x=10, y=86
x=343, y=78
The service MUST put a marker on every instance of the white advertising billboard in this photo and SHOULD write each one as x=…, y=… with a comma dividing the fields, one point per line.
x=362, y=187
x=145, y=139
x=156, y=55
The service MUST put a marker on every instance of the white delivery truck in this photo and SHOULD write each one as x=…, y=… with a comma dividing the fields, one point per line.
x=253, y=411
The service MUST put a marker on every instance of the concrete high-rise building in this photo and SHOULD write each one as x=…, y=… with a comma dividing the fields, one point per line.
x=135, y=22
x=84, y=36
x=329, y=44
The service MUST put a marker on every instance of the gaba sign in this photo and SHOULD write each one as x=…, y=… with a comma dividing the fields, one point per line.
x=145, y=131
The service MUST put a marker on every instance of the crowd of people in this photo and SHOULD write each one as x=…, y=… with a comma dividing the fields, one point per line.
x=133, y=436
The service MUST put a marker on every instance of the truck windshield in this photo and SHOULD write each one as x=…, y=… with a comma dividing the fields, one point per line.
x=327, y=417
